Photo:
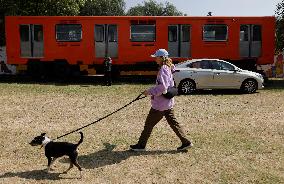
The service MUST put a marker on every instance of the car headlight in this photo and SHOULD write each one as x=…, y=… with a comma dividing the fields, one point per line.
x=259, y=75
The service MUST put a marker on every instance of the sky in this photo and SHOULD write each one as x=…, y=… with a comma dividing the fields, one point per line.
x=220, y=7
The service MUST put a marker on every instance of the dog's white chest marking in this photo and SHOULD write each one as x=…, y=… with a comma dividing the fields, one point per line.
x=45, y=141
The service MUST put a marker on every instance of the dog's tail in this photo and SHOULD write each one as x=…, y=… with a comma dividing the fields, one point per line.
x=81, y=140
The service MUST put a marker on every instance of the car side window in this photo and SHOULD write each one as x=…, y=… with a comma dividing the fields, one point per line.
x=192, y=65
x=226, y=66
x=205, y=64
x=217, y=65
x=199, y=65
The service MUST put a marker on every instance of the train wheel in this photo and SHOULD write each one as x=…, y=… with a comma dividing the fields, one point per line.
x=62, y=70
x=35, y=70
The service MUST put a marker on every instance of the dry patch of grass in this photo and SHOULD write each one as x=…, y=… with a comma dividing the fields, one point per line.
x=237, y=138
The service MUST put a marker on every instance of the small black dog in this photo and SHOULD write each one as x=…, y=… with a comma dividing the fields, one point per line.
x=54, y=150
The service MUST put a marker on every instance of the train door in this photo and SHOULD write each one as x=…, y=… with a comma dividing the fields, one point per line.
x=250, y=41
x=31, y=37
x=179, y=40
x=106, y=42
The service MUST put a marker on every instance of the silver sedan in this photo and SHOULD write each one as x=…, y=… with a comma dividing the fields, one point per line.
x=215, y=74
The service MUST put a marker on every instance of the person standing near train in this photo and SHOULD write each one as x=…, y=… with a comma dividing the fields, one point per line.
x=107, y=71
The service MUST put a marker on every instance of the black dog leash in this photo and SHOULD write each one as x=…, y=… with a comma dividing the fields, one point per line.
x=136, y=99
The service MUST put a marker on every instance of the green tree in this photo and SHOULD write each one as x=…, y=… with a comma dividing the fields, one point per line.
x=41, y=7
x=153, y=8
x=38, y=7
x=280, y=26
x=103, y=8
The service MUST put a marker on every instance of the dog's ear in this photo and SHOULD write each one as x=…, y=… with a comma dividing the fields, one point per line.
x=43, y=134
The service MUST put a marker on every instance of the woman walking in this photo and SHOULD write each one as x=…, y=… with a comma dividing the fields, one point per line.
x=161, y=106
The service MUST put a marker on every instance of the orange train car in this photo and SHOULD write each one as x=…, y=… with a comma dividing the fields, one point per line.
x=64, y=45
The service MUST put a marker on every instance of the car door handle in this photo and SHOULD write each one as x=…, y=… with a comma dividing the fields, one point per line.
x=218, y=73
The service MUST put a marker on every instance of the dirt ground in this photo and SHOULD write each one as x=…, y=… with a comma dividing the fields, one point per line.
x=238, y=138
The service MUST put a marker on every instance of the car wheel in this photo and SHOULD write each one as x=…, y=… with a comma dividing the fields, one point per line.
x=249, y=86
x=186, y=87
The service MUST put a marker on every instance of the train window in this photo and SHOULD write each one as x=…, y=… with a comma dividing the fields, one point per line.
x=143, y=33
x=69, y=32
x=185, y=33
x=172, y=33
x=99, y=33
x=112, y=33
x=25, y=33
x=256, y=33
x=215, y=32
x=244, y=33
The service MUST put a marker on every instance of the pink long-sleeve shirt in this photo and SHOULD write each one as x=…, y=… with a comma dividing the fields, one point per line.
x=164, y=80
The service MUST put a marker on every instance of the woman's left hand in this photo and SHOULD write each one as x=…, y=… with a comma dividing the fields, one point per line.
x=145, y=93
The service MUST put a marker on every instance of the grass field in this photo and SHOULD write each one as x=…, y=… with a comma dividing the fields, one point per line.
x=237, y=138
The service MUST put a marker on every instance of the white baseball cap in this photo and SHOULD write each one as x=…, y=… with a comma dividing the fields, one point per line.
x=161, y=53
